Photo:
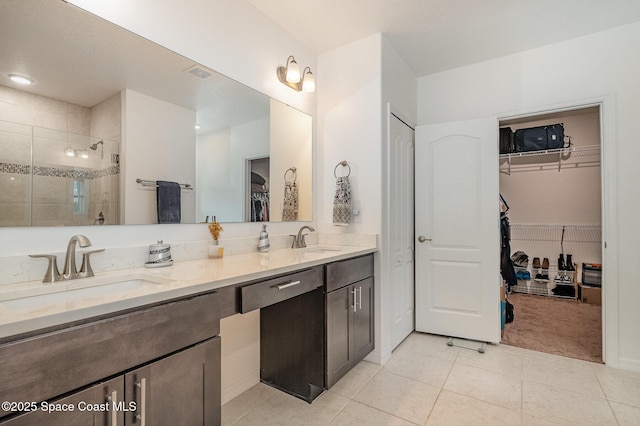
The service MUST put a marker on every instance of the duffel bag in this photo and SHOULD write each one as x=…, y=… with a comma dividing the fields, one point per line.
x=539, y=138
x=531, y=139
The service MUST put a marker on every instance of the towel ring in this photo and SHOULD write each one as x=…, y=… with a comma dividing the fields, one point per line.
x=343, y=164
x=292, y=170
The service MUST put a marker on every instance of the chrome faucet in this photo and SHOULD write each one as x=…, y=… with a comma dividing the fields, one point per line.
x=70, y=270
x=298, y=240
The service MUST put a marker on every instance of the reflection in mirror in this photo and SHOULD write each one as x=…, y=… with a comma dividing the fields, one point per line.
x=108, y=107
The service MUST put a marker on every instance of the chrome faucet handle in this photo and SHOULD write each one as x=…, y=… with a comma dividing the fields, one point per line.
x=85, y=269
x=52, y=274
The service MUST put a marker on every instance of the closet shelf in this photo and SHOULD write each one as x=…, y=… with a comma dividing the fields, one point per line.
x=551, y=159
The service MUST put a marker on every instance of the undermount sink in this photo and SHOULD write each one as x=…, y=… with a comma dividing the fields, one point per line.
x=81, y=289
x=320, y=249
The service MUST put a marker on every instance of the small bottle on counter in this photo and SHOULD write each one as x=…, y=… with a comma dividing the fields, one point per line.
x=263, y=241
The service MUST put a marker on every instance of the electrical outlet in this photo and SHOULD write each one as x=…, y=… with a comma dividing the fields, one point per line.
x=356, y=211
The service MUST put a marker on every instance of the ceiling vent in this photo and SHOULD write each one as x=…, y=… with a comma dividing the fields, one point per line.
x=199, y=72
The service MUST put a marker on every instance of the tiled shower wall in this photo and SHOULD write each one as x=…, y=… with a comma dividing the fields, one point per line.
x=39, y=184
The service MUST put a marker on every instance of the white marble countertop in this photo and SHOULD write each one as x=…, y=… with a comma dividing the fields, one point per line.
x=63, y=303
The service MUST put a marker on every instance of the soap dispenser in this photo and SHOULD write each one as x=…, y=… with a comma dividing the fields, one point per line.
x=263, y=241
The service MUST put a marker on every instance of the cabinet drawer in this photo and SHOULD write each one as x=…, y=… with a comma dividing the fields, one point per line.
x=265, y=293
x=349, y=271
x=50, y=364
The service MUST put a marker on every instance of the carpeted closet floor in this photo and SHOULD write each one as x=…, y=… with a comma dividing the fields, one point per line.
x=557, y=326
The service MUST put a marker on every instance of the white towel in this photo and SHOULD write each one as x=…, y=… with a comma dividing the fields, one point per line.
x=342, y=202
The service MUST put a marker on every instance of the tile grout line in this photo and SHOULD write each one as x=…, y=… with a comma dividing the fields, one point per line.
x=442, y=388
x=606, y=398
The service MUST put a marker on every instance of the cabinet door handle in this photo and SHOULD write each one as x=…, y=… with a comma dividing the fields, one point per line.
x=112, y=400
x=287, y=285
x=143, y=402
x=354, y=306
x=360, y=297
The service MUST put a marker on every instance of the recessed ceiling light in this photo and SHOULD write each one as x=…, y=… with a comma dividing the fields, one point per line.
x=20, y=79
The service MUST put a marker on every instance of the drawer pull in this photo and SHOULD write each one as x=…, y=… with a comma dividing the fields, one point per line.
x=113, y=399
x=287, y=285
x=142, y=417
x=355, y=305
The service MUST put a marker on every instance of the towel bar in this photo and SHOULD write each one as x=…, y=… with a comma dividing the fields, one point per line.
x=155, y=184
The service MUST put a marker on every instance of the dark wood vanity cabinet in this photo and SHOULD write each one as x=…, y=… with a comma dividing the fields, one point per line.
x=181, y=389
x=162, y=361
x=291, y=330
x=90, y=408
x=349, y=315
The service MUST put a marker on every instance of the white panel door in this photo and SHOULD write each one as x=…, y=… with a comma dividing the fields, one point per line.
x=457, y=223
x=401, y=152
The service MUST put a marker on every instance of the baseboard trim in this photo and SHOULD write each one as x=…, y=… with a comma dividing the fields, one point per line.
x=629, y=364
x=240, y=386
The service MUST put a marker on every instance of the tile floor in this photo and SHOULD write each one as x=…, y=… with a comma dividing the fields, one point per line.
x=427, y=382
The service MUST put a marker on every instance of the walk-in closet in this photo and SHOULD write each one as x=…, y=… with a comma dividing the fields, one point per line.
x=552, y=203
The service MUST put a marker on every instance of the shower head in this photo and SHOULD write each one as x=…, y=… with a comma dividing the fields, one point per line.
x=95, y=145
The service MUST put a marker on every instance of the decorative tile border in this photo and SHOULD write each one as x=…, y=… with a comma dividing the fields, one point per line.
x=16, y=169
x=59, y=171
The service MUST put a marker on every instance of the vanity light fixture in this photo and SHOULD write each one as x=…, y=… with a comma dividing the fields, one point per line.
x=20, y=79
x=289, y=75
x=308, y=82
x=70, y=152
x=84, y=154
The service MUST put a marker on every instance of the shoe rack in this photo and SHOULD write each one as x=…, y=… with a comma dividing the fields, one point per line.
x=543, y=240
x=546, y=281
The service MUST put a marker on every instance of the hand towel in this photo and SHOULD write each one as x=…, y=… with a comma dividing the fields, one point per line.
x=342, y=202
x=168, y=202
x=290, y=209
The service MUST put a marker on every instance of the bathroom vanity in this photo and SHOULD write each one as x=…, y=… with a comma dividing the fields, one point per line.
x=155, y=358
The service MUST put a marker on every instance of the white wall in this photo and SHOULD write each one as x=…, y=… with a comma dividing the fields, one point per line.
x=349, y=126
x=595, y=66
x=158, y=144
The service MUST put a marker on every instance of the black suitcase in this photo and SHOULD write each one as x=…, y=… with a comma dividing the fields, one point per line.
x=506, y=140
x=539, y=138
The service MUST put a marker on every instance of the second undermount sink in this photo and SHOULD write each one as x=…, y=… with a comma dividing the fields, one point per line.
x=78, y=290
x=320, y=249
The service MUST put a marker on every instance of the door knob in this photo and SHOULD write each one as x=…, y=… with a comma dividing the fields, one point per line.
x=422, y=239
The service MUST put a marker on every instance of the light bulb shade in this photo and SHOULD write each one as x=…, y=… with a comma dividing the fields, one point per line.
x=84, y=154
x=70, y=152
x=293, y=71
x=308, y=81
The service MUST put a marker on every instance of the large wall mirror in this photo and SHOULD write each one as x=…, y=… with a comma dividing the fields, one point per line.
x=109, y=114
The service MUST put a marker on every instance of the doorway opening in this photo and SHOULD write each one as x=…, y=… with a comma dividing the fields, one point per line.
x=554, y=198
x=258, y=200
